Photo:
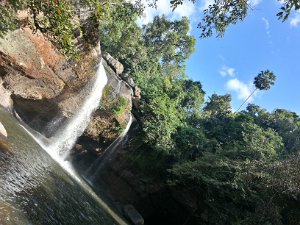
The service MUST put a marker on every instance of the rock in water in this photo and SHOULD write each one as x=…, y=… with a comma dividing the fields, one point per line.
x=4, y=146
x=134, y=216
x=3, y=133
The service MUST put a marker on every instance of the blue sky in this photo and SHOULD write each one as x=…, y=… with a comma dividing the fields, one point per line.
x=260, y=42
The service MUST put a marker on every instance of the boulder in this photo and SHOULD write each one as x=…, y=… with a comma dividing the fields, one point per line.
x=137, y=92
x=128, y=79
x=112, y=62
x=133, y=215
x=6, y=101
x=4, y=146
x=27, y=64
x=3, y=133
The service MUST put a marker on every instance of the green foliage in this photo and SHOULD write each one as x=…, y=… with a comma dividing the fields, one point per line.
x=168, y=40
x=155, y=55
x=228, y=161
x=193, y=96
x=218, y=105
x=222, y=13
x=121, y=36
x=286, y=9
x=143, y=159
x=56, y=18
x=8, y=20
x=190, y=143
x=120, y=104
x=115, y=104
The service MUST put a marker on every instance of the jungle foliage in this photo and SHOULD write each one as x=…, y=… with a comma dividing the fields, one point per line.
x=240, y=166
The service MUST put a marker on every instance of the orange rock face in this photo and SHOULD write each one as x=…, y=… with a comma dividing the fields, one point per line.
x=26, y=62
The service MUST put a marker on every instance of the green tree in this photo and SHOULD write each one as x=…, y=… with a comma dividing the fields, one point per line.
x=190, y=143
x=168, y=41
x=222, y=13
x=287, y=124
x=193, y=97
x=218, y=105
x=122, y=37
x=160, y=120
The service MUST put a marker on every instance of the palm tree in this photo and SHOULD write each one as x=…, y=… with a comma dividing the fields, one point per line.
x=263, y=81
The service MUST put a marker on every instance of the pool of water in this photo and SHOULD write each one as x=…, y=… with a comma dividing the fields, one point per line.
x=35, y=190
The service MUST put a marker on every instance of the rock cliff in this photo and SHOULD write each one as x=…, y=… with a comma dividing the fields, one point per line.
x=45, y=88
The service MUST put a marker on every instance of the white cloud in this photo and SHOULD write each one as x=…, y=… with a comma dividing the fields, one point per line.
x=280, y=1
x=266, y=22
x=164, y=8
x=254, y=3
x=267, y=26
x=186, y=9
x=295, y=19
x=243, y=90
x=205, y=4
x=227, y=71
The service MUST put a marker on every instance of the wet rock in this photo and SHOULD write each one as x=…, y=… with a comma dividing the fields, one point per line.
x=38, y=82
x=43, y=116
x=115, y=64
x=3, y=133
x=132, y=214
x=4, y=145
x=6, y=101
x=78, y=147
x=27, y=62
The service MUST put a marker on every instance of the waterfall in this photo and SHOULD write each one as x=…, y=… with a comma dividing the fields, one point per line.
x=117, y=89
x=108, y=154
x=64, y=140
x=60, y=144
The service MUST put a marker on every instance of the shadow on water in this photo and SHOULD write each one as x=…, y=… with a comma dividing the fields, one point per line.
x=35, y=190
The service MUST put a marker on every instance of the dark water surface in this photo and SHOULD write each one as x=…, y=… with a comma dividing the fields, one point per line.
x=35, y=190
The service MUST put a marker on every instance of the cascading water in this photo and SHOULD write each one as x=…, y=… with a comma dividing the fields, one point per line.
x=64, y=140
x=61, y=143
x=106, y=156
x=118, y=88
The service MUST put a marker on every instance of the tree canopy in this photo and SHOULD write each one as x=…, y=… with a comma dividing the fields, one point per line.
x=229, y=161
x=222, y=13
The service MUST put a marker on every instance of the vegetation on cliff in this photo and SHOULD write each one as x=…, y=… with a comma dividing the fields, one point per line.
x=58, y=19
x=232, y=163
